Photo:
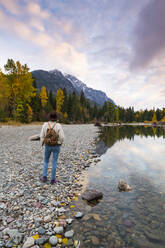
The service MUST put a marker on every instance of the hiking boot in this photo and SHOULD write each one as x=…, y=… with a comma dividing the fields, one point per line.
x=53, y=181
x=43, y=179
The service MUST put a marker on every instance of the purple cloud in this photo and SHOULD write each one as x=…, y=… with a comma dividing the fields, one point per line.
x=149, y=33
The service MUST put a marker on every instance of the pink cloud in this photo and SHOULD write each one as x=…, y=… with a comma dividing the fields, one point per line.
x=35, y=10
x=11, y=6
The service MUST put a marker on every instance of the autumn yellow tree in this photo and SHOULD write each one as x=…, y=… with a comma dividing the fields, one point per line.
x=29, y=113
x=19, y=84
x=65, y=116
x=3, y=97
x=154, y=118
x=3, y=91
x=59, y=100
x=43, y=96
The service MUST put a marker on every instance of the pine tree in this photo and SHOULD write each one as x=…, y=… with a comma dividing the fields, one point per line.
x=69, y=108
x=95, y=111
x=111, y=111
x=52, y=99
x=82, y=99
x=117, y=114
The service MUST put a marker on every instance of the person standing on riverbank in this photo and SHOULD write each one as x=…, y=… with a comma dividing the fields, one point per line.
x=52, y=136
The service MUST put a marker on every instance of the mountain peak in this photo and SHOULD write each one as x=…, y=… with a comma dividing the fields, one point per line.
x=55, y=79
x=56, y=72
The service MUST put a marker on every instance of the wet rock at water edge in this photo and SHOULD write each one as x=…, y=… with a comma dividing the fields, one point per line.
x=77, y=243
x=123, y=186
x=91, y=194
x=69, y=221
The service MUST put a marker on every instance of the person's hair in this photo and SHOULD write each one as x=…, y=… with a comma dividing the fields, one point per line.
x=53, y=116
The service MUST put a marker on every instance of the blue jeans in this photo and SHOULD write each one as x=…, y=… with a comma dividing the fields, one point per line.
x=48, y=150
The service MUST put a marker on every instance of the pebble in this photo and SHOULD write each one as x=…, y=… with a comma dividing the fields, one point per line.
x=69, y=234
x=2, y=205
x=41, y=230
x=29, y=242
x=53, y=240
x=79, y=215
x=69, y=221
x=58, y=229
x=47, y=218
x=42, y=240
x=95, y=240
x=56, y=203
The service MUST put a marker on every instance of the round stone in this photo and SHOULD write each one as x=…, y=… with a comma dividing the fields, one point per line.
x=59, y=230
x=69, y=234
x=79, y=215
x=53, y=240
x=29, y=243
x=41, y=230
x=47, y=218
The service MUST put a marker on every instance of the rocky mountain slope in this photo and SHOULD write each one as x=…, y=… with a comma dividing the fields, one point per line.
x=53, y=80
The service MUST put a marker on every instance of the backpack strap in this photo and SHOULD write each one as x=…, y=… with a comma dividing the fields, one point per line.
x=52, y=126
x=49, y=125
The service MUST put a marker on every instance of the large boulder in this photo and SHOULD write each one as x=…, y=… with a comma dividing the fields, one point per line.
x=91, y=194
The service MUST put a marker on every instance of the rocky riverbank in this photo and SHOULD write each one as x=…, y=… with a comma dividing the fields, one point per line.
x=33, y=214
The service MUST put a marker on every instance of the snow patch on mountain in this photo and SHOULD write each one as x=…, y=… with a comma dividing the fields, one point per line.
x=97, y=96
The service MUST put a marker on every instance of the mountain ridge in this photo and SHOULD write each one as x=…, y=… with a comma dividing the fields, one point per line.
x=55, y=79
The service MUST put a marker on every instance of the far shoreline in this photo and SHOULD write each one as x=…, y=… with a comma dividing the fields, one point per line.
x=99, y=124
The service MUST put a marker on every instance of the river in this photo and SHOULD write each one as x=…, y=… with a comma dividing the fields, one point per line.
x=126, y=219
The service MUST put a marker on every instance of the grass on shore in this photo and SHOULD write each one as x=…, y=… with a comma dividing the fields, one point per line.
x=17, y=123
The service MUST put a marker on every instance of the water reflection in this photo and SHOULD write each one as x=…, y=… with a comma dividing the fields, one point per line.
x=108, y=136
x=126, y=219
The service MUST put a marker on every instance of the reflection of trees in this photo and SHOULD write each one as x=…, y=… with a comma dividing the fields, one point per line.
x=109, y=135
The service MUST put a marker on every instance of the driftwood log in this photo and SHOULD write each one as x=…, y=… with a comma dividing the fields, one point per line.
x=34, y=137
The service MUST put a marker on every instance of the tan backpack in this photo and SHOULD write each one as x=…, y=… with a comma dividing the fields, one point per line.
x=51, y=138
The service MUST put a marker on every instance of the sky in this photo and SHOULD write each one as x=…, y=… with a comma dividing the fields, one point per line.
x=117, y=46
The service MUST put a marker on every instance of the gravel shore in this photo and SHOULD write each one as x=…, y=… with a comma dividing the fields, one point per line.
x=30, y=207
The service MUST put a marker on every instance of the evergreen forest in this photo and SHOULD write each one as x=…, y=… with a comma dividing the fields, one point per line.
x=22, y=101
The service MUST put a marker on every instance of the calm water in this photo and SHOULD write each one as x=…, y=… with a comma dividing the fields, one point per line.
x=126, y=219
